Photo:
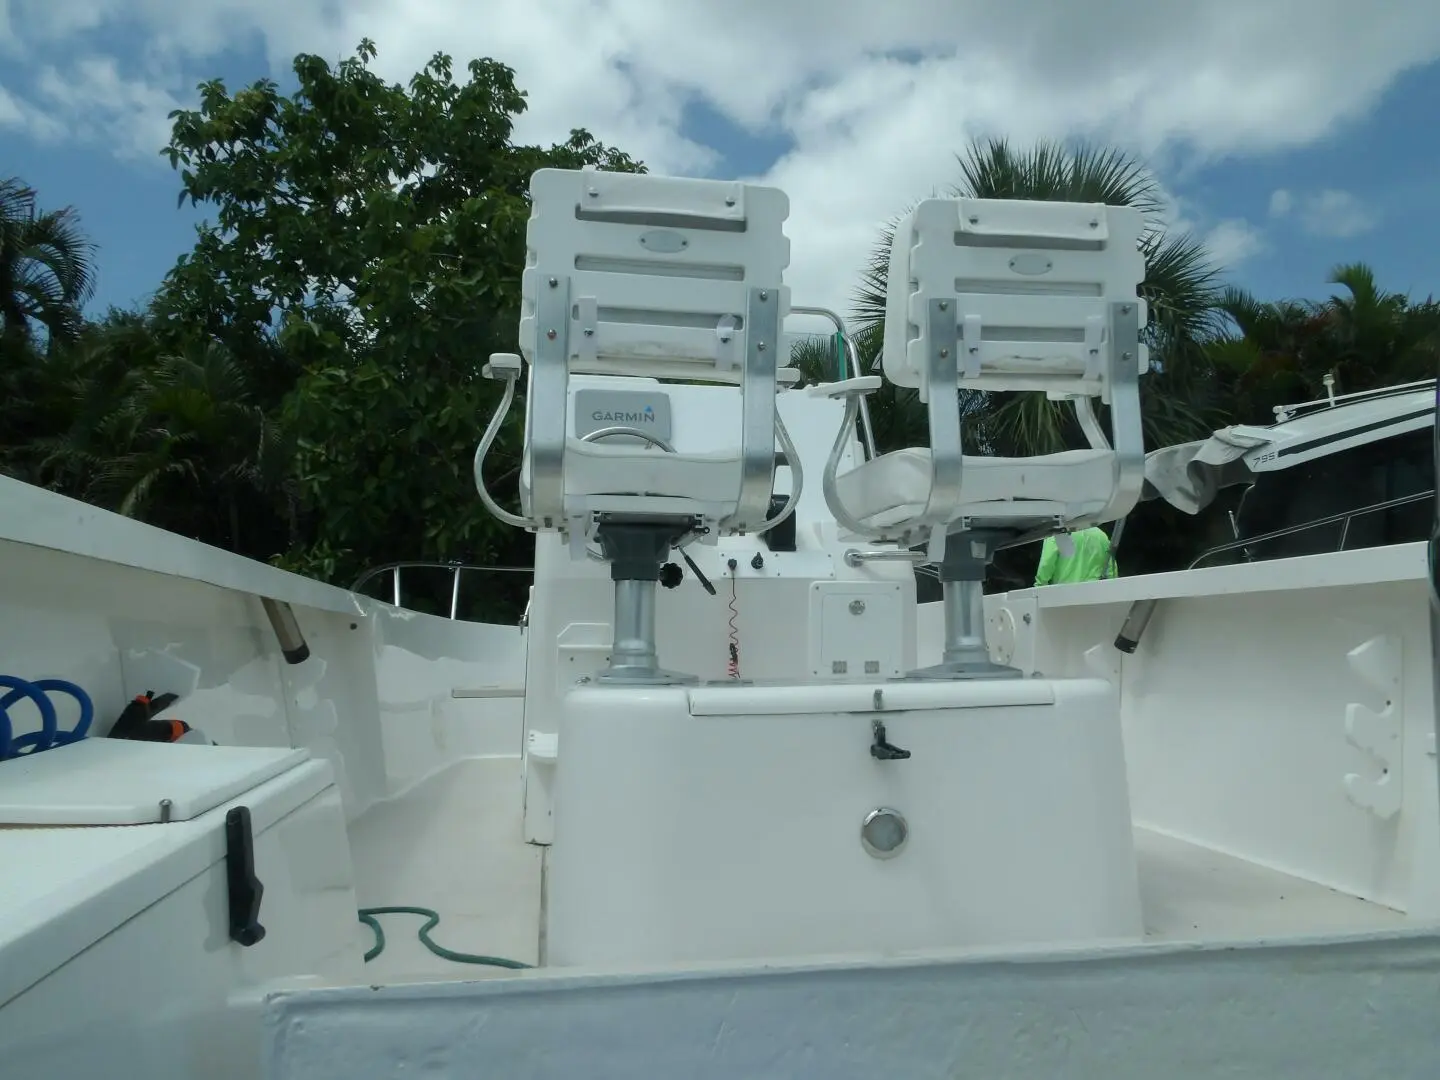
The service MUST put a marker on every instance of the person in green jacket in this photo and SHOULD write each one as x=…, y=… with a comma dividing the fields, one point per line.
x=1088, y=559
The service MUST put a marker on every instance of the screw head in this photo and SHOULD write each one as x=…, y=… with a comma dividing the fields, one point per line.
x=759, y=346
x=1124, y=309
x=729, y=200
x=944, y=305
x=974, y=219
x=550, y=334
x=857, y=607
x=764, y=295
x=589, y=332
x=944, y=352
x=594, y=194
x=554, y=282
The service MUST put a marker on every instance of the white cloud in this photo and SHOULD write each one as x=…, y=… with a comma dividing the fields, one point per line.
x=1232, y=241
x=871, y=132
x=1337, y=214
x=102, y=103
x=1330, y=213
x=12, y=112
x=18, y=114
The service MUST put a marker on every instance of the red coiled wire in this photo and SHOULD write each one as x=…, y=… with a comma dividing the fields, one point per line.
x=733, y=667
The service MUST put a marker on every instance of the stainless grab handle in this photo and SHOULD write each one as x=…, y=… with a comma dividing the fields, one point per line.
x=855, y=557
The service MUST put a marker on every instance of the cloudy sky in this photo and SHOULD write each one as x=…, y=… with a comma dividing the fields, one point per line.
x=1292, y=134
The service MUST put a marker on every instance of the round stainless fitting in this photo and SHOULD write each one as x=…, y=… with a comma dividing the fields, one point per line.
x=884, y=832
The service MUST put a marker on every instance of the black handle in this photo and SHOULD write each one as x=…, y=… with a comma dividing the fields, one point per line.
x=243, y=887
x=881, y=749
x=699, y=574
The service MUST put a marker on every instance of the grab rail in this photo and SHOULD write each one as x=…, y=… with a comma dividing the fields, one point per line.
x=455, y=568
x=1331, y=400
x=853, y=356
x=1333, y=519
x=854, y=557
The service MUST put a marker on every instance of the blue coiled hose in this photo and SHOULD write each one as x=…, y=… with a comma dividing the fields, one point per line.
x=49, y=735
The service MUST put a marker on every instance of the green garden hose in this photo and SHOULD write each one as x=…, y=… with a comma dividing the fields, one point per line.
x=367, y=916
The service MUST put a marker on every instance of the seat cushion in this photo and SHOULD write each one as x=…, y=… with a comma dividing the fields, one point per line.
x=596, y=468
x=594, y=471
x=895, y=486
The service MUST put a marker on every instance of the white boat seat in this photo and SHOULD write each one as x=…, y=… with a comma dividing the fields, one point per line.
x=633, y=282
x=1005, y=296
x=635, y=276
x=1000, y=296
x=895, y=487
x=629, y=470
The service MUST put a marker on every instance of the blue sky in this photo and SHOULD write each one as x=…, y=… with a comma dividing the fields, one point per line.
x=1284, y=183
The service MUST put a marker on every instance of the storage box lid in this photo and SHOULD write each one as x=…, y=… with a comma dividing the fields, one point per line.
x=119, y=782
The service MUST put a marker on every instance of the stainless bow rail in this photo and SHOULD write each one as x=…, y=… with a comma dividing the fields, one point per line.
x=455, y=568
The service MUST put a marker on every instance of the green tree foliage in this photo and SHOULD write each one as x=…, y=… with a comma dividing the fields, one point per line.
x=177, y=438
x=46, y=275
x=46, y=272
x=305, y=386
x=375, y=233
x=1280, y=352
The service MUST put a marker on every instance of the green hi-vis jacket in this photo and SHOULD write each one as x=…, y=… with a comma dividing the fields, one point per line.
x=1091, y=560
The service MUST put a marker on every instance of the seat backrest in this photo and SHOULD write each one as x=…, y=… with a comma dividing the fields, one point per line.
x=631, y=275
x=660, y=271
x=1032, y=282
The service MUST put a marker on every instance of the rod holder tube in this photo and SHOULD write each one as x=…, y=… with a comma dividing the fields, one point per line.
x=287, y=630
x=1134, y=626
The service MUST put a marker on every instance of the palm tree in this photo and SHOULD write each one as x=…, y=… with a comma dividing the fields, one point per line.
x=46, y=271
x=175, y=437
x=45, y=278
x=1380, y=338
x=1180, y=398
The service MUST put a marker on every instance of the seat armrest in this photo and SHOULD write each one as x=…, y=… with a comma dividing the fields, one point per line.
x=502, y=366
x=865, y=384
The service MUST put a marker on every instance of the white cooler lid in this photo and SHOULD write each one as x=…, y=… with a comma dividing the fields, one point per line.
x=119, y=782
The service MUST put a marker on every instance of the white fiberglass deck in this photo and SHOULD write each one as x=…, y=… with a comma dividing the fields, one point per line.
x=1192, y=893
x=453, y=843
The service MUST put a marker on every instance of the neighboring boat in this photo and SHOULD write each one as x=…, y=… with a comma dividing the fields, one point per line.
x=1339, y=474
x=728, y=802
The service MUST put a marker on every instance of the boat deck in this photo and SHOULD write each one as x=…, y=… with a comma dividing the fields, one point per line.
x=453, y=843
x=1190, y=893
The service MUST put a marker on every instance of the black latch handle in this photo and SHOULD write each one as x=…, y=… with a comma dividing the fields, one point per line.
x=881, y=749
x=243, y=887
